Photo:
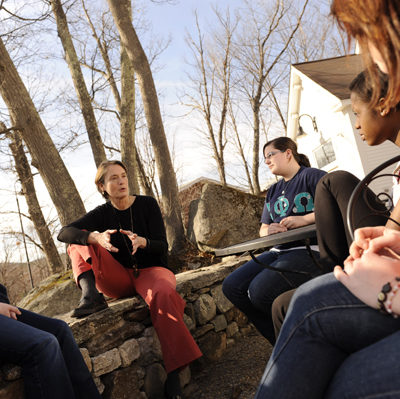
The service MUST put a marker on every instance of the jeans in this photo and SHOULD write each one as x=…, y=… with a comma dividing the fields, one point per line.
x=331, y=199
x=333, y=346
x=252, y=288
x=52, y=365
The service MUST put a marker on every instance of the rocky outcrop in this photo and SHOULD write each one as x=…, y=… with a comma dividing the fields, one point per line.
x=55, y=295
x=122, y=350
x=223, y=216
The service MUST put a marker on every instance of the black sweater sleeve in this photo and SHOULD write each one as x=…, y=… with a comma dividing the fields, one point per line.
x=78, y=231
x=147, y=223
x=3, y=294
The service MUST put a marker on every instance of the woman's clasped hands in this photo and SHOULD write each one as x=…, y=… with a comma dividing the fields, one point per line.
x=374, y=260
x=137, y=241
x=104, y=239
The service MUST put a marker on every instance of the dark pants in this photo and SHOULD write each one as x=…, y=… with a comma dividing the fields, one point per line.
x=331, y=199
x=332, y=196
x=52, y=365
x=252, y=288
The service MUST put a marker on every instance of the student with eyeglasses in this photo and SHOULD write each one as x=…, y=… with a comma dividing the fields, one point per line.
x=342, y=330
x=289, y=204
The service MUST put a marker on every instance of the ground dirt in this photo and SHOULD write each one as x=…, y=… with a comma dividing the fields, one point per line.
x=236, y=375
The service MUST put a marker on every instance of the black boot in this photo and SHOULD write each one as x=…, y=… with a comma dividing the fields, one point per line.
x=172, y=387
x=91, y=300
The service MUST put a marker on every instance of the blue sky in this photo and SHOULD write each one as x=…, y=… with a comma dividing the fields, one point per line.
x=174, y=20
x=178, y=17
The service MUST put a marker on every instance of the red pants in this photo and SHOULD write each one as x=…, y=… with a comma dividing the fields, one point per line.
x=156, y=285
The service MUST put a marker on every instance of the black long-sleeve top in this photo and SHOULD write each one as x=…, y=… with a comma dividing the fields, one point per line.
x=147, y=222
x=3, y=294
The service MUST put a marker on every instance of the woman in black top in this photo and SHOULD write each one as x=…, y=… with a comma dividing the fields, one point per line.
x=120, y=249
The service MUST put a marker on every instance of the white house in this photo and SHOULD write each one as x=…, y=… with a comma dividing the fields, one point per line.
x=319, y=102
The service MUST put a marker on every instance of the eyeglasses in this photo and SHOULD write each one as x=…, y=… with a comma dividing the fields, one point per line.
x=271, y=154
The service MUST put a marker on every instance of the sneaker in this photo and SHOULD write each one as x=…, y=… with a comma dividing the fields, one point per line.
x=87, y=307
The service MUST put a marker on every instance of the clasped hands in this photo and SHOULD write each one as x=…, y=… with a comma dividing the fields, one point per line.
x=374, y=260
x=288, y=223
x=104, y=239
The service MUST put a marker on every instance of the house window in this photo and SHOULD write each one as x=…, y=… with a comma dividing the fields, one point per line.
x=324, y=154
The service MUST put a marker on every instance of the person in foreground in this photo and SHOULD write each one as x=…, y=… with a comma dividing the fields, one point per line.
x=120, y=249
x=334, y=189
x=52, y=364
x=289, y=204
x=341, y=333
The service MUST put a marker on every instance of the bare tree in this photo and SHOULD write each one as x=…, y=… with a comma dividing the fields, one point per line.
x=125, y=102
x=128, y=117
x=147, y=165
x=257, y=53
x=170, y=204
x=22, y=167
x=7, y=252
x=234, y=126
x=25, y=118
x=211, y=81
x=317, y=37
x=144, y=181
x=79, y=83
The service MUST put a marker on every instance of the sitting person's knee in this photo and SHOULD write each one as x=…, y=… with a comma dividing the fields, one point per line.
x=258, y=298
x=279, y=309
x=62, y=327
x=338, y=177
x=227, y=287
x=313, y=293
x=44, y=343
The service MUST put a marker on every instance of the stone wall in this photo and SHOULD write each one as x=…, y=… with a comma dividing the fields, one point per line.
x=121, y=347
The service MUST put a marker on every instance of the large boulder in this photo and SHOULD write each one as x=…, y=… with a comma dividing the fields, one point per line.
x=56, y=295
x=223, y=216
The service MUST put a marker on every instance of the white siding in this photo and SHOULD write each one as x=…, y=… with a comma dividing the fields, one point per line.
x=335, y=121
x=321, y=104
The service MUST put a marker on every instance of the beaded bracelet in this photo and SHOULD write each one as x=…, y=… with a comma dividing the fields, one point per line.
x=385, y=297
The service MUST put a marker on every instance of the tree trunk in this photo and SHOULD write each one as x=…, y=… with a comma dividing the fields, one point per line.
x=144, y=182
x=125, y=106
x=256, y=149
x=107, y=63
x=240, y=147
x=171, y=205
x=25, y=117
x=85, y=104
x=211, y=84
x=128, y=121
x=128, y=118
x=22, y=167
x=259, y=64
